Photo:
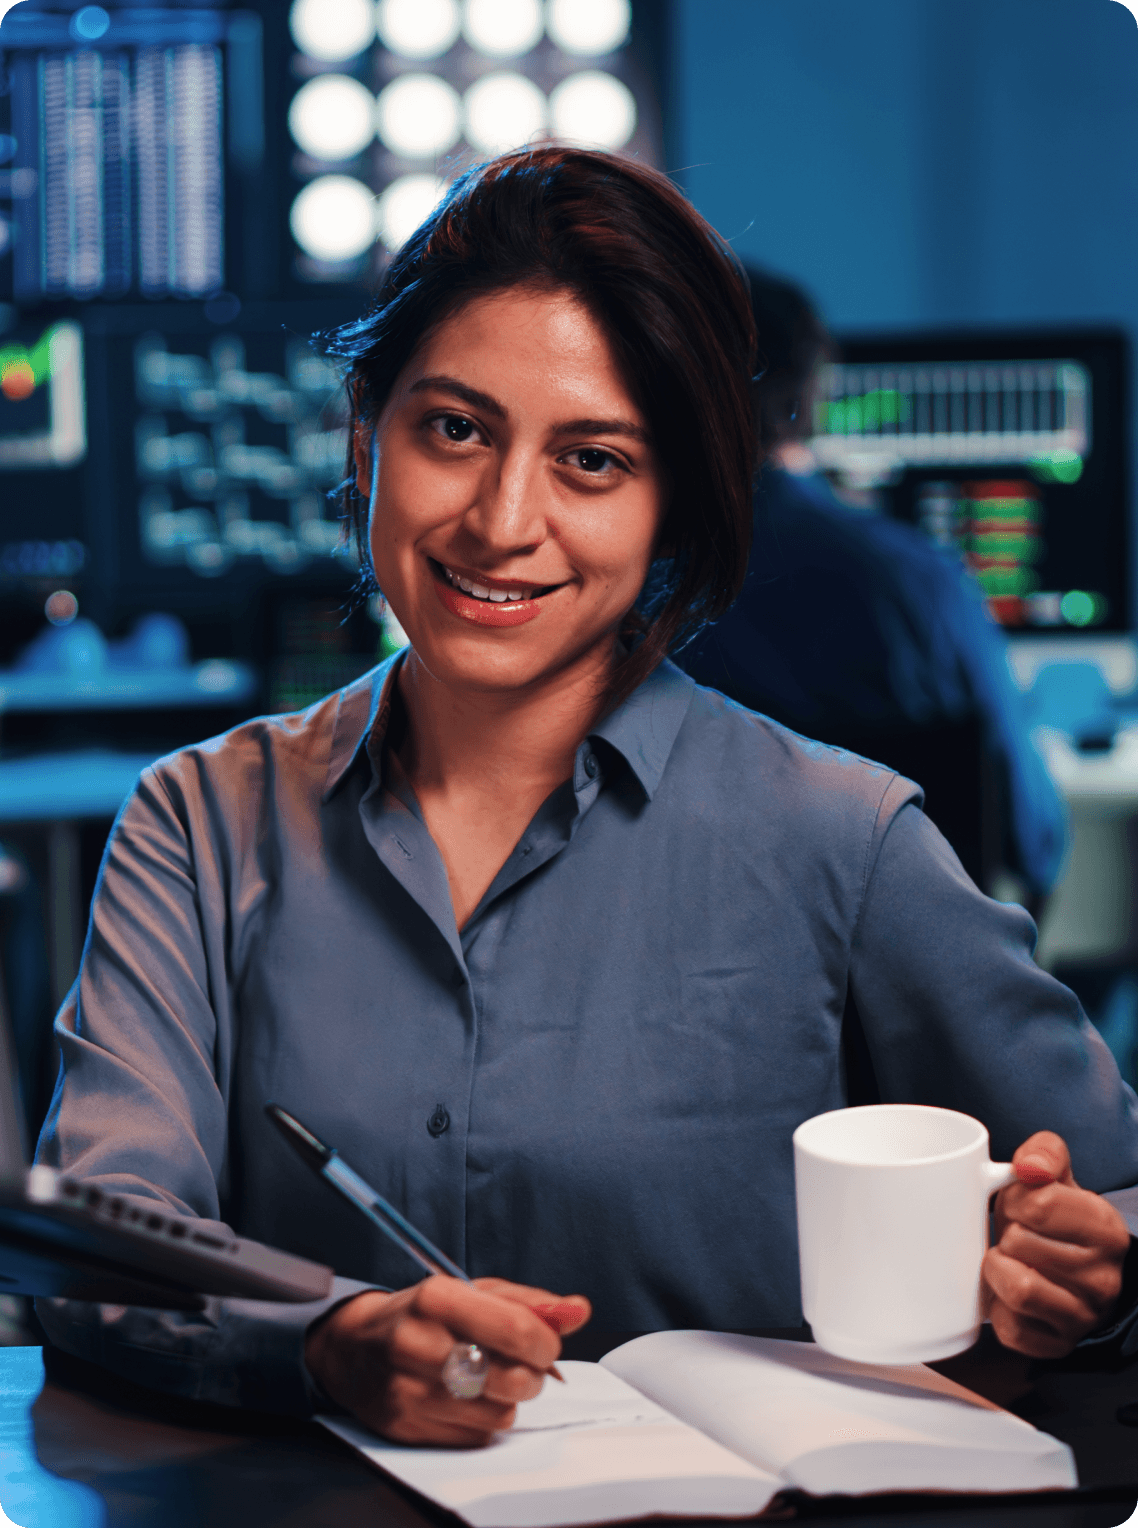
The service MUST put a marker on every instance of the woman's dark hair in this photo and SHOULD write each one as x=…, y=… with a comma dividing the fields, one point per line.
x=672, y=299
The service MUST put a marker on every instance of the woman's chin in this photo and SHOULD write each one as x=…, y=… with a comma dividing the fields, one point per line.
x=475, y=665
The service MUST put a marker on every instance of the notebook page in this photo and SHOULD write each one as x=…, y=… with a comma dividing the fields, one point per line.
x=827, y=1424
x=592, y=1450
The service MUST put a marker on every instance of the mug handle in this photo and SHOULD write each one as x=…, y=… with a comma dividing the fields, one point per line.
x=997, y=1175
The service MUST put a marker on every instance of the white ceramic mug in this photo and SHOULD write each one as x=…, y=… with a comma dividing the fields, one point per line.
x=892, y=1227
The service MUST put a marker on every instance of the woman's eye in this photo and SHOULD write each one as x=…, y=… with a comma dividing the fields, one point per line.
x=593, y=460
x=454, y=427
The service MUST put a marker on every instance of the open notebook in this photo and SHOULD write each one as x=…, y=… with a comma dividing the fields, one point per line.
x=710, y=1425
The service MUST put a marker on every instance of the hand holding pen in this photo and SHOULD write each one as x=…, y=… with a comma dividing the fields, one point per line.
x=382, y=1356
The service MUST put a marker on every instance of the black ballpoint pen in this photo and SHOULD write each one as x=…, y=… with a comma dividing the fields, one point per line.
x=326, y=1161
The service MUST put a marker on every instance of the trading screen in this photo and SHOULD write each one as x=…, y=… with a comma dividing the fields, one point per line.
x=232, y=461
x=150, y=460
x=43, y=441
x=115, y=162
x=1008, y=451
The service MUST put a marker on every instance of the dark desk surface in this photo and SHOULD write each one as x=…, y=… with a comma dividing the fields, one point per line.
x=94, y=1450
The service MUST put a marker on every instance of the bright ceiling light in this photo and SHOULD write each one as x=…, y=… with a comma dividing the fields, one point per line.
x=404, y=205
x=331, y=30
x=593, y=109
x=417, y=28
x=332, y=117
x=419, y=115
x=503, y=28
x=334, y=218
x=588, y=26
x=503, y=111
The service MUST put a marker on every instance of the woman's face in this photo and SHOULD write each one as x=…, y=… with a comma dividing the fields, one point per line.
x=516, y=498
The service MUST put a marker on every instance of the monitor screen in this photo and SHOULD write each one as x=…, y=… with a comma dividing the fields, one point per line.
x=153, y=460
x=1008, y=450
x=43, y=442
x=115, y=155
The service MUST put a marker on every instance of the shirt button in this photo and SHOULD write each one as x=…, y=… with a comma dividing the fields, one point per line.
x=439, y=1121
x=591, y=765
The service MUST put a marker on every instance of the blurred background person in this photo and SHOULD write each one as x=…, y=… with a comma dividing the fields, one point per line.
x=858, y=630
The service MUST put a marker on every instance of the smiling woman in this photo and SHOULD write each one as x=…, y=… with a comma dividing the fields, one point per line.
x=651, y=316
x=545, y=488
x=557, y=947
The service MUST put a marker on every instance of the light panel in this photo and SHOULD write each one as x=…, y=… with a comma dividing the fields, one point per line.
x=588, y=27
x=418, y=28
x=503, y=28
x=593, y=109
x=333, y=218
x=419, y=115
x=504, y=111
x=332, y=30
x=89, y=24
x=404, y=205
x=332, y=117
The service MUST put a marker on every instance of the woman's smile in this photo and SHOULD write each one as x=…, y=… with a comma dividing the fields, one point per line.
x=488, y=601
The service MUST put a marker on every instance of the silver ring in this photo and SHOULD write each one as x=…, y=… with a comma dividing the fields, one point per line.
x=465, y=1371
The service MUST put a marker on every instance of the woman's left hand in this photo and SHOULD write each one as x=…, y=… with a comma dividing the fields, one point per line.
x=1054, y=1272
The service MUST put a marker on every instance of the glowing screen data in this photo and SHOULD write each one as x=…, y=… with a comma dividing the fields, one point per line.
x=42, y=404
x=234, y=461
x=1009, y=455
x=116, y=153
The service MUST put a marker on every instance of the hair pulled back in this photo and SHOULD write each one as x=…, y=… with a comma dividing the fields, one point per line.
x=672, y=299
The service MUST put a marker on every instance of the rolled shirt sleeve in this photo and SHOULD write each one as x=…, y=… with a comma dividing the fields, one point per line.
x=146, y=1040
x=246, y=1353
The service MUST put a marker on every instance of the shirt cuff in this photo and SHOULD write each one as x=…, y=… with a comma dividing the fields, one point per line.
x=320, y=1403
x=247, y=1353
x=1121, y=1336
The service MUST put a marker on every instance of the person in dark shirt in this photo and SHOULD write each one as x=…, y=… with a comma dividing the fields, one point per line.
x=856, y=629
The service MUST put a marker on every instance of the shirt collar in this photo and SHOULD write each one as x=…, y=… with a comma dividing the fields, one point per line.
x=642, y=728
x=363, y=709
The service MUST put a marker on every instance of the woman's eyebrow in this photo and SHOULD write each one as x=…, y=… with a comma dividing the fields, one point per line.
x=604, y=427
x=459, y=389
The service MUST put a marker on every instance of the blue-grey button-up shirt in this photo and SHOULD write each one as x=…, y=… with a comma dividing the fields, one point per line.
x=713, y=931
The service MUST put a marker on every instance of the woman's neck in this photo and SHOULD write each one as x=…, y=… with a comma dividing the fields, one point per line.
x=459, y=739
x=481, y=764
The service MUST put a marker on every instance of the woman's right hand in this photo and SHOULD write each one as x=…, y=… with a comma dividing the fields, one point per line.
x=380, y=1356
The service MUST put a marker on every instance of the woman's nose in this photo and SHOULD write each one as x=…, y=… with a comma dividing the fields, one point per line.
x=509, y=513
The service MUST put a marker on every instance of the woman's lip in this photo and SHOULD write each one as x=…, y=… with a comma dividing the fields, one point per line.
x=497, y=585
x=485, y=612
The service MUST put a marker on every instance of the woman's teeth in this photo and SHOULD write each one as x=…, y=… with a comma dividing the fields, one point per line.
x=480, y=591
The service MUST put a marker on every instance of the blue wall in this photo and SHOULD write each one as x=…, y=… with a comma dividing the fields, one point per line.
x=919, y=162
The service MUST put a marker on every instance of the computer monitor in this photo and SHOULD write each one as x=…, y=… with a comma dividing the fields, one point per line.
x=1007, y=449
x=151, y=459
x=120, y=132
